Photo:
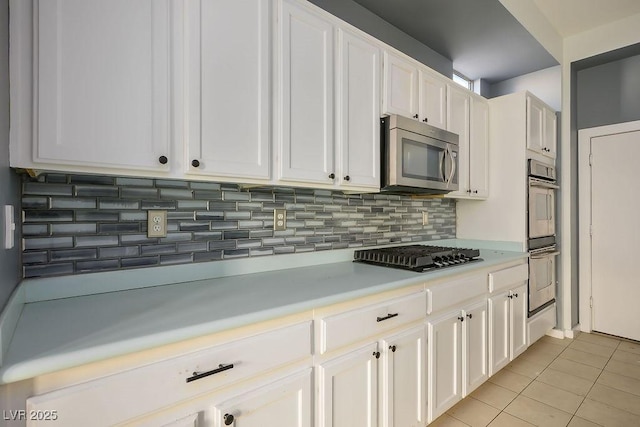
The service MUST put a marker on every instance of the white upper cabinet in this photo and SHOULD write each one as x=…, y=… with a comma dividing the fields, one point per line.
x=358, y=112
x=101, y=94
x=228, y=92
x=468, y=116
x=412, y=90
x=306, y=89
x=541, y=128
x=479, y=148
x=400, y=86
x=433, y=99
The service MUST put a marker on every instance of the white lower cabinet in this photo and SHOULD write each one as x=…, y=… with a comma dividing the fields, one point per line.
x=403, y=380
x=347, y=389
x=508, y=326
x=283, y=402
x=382, y=383
x=457, y=341
x=148, y=390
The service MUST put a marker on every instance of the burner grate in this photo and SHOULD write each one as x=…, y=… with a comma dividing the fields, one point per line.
x=417, y=257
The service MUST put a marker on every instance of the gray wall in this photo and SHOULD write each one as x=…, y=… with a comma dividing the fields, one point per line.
x=545, y=84
x=609, y=93
x=9, y=188
x=356, y=15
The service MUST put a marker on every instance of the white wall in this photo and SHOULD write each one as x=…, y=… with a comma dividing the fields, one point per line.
x=545, y=84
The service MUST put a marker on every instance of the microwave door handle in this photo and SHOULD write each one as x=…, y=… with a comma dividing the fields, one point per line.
x=443, y=155
x=453, y=166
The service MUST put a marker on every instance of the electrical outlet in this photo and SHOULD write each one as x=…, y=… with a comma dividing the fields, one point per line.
x=157, y=224
x=425, y=218
x=279, y=219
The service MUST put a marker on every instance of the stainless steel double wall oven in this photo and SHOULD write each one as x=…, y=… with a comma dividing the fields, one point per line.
x=542, y=235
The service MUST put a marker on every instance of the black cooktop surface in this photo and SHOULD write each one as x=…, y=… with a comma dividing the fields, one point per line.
x=417, y=257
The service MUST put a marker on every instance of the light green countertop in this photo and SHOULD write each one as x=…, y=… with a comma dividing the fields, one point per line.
x=61, y=333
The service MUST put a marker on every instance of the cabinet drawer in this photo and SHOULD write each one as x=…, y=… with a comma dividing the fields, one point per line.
x=508, y=277
x=354, y=325
x=455, y=292
x=165, y=383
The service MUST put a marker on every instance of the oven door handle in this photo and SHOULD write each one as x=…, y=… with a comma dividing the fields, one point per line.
x=533, y=182
x=544, y=255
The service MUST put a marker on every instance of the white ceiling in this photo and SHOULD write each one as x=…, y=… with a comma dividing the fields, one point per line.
x=571, y=17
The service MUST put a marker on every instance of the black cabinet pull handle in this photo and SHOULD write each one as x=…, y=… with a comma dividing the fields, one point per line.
x=332, y=175
x=415, y=117
x=376, y=354
x=392, y=348
x=163, y=160
x=195, y=163
x=347, y=178
x=475, y=191
x=515, y=295
x=460, y=318
x=510, y=296
x=198, y=375
x=228, y=419
x=425, y=120
x=388, y=316
x=470, y=316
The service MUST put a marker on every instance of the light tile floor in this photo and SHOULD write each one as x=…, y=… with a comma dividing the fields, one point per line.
x=593, y=380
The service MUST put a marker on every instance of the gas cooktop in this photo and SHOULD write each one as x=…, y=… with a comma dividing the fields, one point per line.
x=417, y=257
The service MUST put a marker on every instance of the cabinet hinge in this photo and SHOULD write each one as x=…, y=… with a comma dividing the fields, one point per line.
x=591, y=230
x=590, y=302
x=590, y=159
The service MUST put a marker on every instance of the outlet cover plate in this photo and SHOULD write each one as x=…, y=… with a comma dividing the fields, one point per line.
x=279, y=219
x=156, y=223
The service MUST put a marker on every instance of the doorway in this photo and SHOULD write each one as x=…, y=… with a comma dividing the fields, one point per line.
x=609, y=207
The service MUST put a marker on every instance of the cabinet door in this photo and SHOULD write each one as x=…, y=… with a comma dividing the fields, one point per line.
x=550, y=133
x=306, y=95
x=432, y=100
x=403, y=383
x=535, y=118
x=479, y=149
x=458, y=122
x=283, y=402
x=228, y=51
x=102, y=96
x=475, y=347
x=358, y=111
x=400, y=87
x=347, y=389
x=444, y=362
x=499, y=334
x=518, y=321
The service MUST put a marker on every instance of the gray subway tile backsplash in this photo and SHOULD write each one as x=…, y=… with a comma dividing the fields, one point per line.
x=78, y=224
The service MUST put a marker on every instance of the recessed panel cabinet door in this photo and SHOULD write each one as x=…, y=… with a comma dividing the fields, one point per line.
x=433, y=100
x=535, y=130
x=403, y=389
x=518, y=321
x=359, y=111
x=306, y=96
x=479, y=149
x=458, y=122
x=499, y=335
x=347, y=389
x=445, y=364
x=102, y=73
x=475, y=343
x=283, y=402
x=400, y=87
x=228, y=96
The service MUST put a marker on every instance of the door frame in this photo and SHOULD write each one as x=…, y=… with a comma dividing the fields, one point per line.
x=584, y=213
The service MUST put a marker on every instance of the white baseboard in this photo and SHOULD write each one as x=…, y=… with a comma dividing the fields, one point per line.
x=556, y=333
x=573, y=332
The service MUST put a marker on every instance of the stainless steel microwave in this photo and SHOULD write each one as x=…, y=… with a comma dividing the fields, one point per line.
x=417, y=157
